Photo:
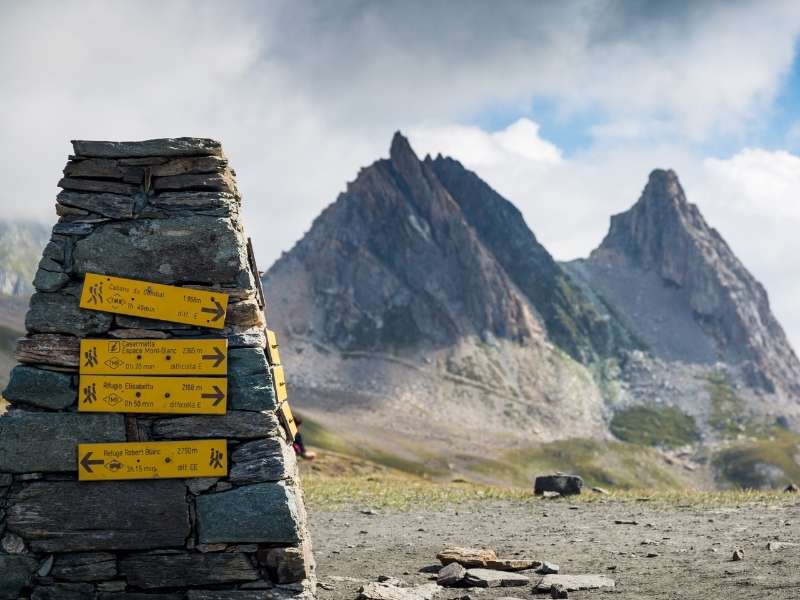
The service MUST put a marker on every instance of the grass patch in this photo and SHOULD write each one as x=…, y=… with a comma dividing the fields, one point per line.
x=760, y=464
x=727, y=409
x=600, y=463
x=398, y=491
x=666, y=427
x=315, y=434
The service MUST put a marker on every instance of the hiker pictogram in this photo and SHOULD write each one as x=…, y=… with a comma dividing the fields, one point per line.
x=96, y=293
x=90, y=394
x=91, y=357
x=216, y=459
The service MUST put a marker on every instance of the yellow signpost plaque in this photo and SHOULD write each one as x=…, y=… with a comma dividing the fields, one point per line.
x=152, y=460
x=286, y=416
x=280, y=383
x=273, y=355
x=132, y=394
x=154, y=357
x=154, y=301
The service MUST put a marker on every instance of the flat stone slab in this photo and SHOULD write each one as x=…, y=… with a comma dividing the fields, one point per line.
x=15, y=573
x=491, y=578
x=181, y=569
x=59, y=312
x=192, y=249
x=236, y=424
x=512, y=564
x=466, y=557
x=40, y=387
x=230, y=595
x=389, y=591
x=182, y=146
x=250, y=380
x=85, y=566
x=63, y=591
x=38, y=441
x=270, y=459
x=260, y=513
x=71, y=516
x=573, y=582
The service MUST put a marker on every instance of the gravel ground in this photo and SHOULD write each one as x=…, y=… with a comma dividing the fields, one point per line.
x=694, y=546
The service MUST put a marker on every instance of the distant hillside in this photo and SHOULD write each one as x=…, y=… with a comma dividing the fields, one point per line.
x=21, y=245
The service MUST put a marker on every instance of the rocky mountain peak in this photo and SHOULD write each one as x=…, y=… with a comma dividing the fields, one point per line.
x=400, y=150
x=684, y=291
x=395, y=264
x=661, y=220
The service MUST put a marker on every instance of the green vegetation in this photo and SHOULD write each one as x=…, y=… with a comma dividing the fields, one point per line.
x=727, y=409
x=600, y=463
x=665, y=427
x=397, y=490
x=760, y=464
x=314, y=434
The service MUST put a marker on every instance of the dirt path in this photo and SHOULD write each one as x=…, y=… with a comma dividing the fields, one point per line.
x=693, y=546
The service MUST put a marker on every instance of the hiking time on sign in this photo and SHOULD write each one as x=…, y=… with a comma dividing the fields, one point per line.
x=154, y=301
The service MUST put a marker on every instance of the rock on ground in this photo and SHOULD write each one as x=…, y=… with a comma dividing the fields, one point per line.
x=573, y=582
x=565, y=485
x=492, y=578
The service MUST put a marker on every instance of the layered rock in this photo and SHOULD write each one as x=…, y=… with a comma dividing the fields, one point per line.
x=675, y=283
x=416, y=315
x=165, y=211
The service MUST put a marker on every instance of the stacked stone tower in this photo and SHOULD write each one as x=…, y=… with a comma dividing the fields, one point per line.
x=160, y=212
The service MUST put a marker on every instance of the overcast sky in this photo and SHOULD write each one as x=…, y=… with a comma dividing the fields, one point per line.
x=563, y=107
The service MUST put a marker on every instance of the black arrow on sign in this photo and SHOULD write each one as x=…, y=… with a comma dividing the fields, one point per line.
x=87, y=463
x=218, y=396
x=218, y=356
x=217, y=311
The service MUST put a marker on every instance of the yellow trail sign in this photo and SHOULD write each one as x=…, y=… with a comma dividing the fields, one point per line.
x=152, y=460
x=154, y=357
x=154, y=301
x=272, y=348
x=132, y=394
x=286, y=416
x=280, y=383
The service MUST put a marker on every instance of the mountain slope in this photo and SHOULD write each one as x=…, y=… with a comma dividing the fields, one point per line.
x=21, y=244
x=699, y=312
x=571, y=321
x=399, y=312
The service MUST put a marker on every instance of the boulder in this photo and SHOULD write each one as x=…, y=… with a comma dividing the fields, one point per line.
x=566, y=485
x=450, y=575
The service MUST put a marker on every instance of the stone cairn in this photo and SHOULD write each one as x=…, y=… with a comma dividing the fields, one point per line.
x=164, y=211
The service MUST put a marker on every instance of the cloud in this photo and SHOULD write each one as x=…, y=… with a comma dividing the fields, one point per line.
x=752, y=197
x=304, y=94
